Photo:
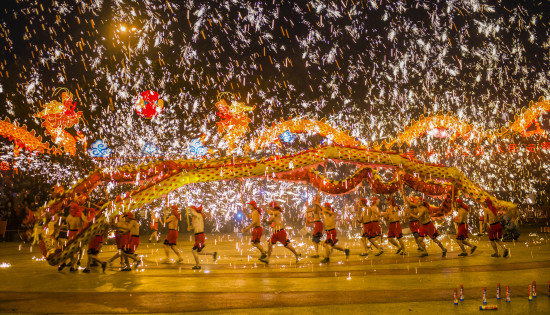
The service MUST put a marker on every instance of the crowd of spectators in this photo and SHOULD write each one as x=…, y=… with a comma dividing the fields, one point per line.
x=19, y=195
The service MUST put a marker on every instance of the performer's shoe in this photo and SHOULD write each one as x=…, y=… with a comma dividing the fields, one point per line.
x=364, y=254
x=346, y=251
x=86, y=270
x=398, y=251
x=444, y=254
x=179, y=261
x=463, y=254
x=424, y=254
x=495, y=255
x=315, y=256
x=298, y=257
x=506, y=252
x=263, y=256
x=326, y=260
x=196, y=267
x=264, y=260
x=73, y=269
x=215, y=255
x=473, y=249
x=103, y=266
x=126, y=269
x=379, y=253
x=61, y=267
x=403, y=254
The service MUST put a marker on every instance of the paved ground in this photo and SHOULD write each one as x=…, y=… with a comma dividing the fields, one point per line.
x=237, y=283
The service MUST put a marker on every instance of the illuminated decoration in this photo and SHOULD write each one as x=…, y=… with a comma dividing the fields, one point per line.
x=305, y=125
x=99, y=149
x=234, y=120
x=521, y=124
x=23, y=139
x=439, y=133
x=59, y=116
x=4, y=166
x=150, y=149
x=287, y=137
x=148, y=104
x=196, y=147
x=166, y=176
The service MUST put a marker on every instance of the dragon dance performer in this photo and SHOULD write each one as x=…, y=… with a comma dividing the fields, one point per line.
x=122, y=237
x=255, y=226
x=279, y=233
x=75, y=222
x=495, y=228
x=370, y=218
x=462, y=230
x=317, y=225
x=411, y=211
x=172, y=237
x=394, y=226
x=197, y=224
x=155, y=219
x=133, y=241
x=329, y=218
x=428, y=226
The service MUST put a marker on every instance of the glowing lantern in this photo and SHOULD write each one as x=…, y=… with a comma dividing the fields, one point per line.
x=99, y=149
x=4, y=166
x=148, y=104
x=287, y=137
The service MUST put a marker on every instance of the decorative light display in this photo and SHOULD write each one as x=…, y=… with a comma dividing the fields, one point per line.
x=148, y=104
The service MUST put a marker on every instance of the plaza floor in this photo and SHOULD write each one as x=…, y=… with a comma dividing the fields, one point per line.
x=237, y=283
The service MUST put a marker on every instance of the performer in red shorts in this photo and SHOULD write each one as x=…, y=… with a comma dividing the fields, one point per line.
x=279, y=234
x=411, y=211
x=317, y=225
x=495, y=228
x=155, y=219
x=462, y=232
x=257, y=230
x=198, y=227
x=394, y=231
x=428, y=226
x=122, y=237
x=375, y=230
x=172, y=237
x=365, y=219
x=133, y=242
x=93, y=250
x=330, y=222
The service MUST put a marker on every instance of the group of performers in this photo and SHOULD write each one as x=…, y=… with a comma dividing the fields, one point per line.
x=415, y=210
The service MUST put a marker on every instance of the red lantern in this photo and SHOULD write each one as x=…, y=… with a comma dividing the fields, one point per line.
x=4, y=166
x=148, y=104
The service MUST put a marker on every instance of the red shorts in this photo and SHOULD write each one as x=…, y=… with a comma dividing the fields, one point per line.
x=132, y=244
x=155, y=227
x=257, y=234
x=122, y=240
x=171, y=238
x=199, y=241
x=462, y=233
x=317, y=231
x=429, y=229
x=375, y=229
x=366, y=228
x=279, y=236
x=416, y=229
x=395, y=230
x=331, y=237
x=93, y=246
x=495, y=231
x=71, y=234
